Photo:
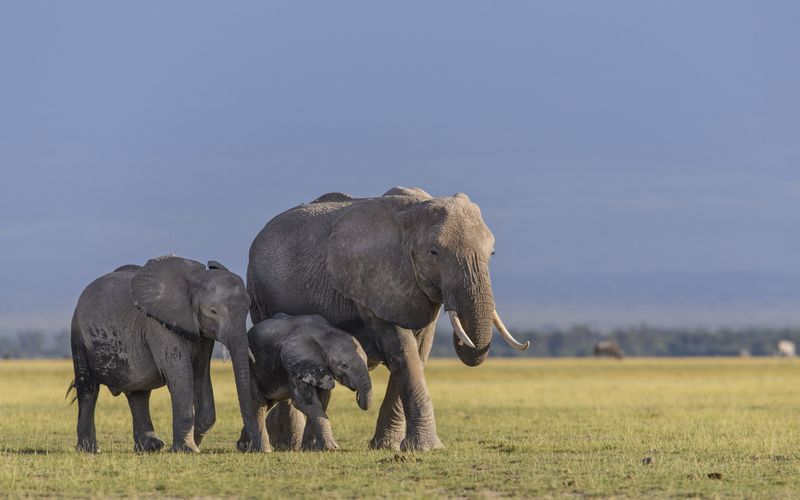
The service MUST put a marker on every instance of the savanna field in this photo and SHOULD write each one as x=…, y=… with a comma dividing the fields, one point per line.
x=708, y=427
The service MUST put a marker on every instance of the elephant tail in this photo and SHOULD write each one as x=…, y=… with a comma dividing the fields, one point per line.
x=257, y=312
x=71, y=389
x=83, y=383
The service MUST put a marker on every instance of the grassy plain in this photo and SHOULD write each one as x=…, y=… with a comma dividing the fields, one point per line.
x=556, y=427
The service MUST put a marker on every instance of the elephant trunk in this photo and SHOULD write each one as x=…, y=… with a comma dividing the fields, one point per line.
x=470, y=304
x=364, y=393
x=358, y=380
x=241, y=369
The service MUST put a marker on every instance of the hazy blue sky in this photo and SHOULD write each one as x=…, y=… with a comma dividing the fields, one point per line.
x=637, y=161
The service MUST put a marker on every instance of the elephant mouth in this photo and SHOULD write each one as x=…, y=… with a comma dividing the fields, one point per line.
x=466, y=349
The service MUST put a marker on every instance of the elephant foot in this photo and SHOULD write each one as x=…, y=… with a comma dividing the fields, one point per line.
x=185, y=448
x=88, y=447
x=246, y=446
x=316, y=445
x=243, y=445
x=292, y=444
x=385, y=443
x=388, y=437
x=421, y=443
x=148, y=444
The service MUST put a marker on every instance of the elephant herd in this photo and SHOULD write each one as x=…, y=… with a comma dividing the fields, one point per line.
x=334, y=288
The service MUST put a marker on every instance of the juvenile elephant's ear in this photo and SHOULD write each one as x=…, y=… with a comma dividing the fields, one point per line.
x=213, y=264
x=304, y=361
x=161, y=290
x=367, y=263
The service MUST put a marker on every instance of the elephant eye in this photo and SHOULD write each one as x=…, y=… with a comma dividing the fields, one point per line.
x=492, y=252
x=434, y=251
x=344, y=366
x=213, y=311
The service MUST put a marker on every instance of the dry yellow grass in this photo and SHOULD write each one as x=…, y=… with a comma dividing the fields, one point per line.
x=654, y=427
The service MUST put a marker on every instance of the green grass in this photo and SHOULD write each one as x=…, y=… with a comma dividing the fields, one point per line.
x=510, y=428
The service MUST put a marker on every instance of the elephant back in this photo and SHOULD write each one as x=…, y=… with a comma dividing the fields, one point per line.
x=334, y=197
x=286, y=266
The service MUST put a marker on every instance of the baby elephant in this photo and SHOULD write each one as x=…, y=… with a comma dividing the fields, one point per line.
x=298, y=358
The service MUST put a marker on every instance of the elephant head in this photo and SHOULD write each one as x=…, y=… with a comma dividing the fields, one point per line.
x=194, y=301
x=405, y=254
x=318, y=354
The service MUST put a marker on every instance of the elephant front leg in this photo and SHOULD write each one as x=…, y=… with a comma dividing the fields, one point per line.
x=205, y=412
x=391, y=427
x=401, y=353
x=318, y=435
x=245, y=442
x=180, y=384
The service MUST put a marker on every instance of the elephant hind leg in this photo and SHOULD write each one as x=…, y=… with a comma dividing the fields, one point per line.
x=391, y=426
x=87, y=390
x=144, y=435
x=285, y=426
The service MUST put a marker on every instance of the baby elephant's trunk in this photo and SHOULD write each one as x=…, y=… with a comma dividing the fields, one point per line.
x=364, y=394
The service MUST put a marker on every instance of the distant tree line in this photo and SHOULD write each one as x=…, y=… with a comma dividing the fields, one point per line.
x=35, y=344
x=576, y=341
x=641, y=340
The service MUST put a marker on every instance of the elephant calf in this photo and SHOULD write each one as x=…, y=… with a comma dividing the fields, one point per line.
x=298, y=358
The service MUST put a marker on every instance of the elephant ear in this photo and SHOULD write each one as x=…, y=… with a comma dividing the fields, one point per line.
x=161, y=290
x=213, y=264
x=303, y=361
x=367, y=263
x=404, y=191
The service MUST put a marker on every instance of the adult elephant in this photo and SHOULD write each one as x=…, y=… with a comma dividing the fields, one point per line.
x=139, y=328
x=381, y=268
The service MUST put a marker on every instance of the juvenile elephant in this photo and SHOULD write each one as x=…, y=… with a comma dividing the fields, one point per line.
x=298, y=358
x=139, y=328
x=381, y=268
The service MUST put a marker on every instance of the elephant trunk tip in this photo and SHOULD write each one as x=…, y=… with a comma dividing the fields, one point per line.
x=364, y=399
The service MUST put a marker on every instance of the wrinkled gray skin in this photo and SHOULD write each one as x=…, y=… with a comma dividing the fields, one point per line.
x=139, y=328
x=381, y=268
x=298, y=358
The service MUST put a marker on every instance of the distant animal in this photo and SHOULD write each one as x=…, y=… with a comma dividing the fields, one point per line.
x=381, y=268
x=609, y=348
x=785, y=349
x=299, y=358
x=139, y=328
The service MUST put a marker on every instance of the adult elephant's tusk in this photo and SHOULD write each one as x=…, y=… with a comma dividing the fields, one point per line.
x=459, y=330
x=250, y=355
x=507, y=336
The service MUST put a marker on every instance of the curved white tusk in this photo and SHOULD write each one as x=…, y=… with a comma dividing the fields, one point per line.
x=459, y=330
x=250, y=354
x=507, y=336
